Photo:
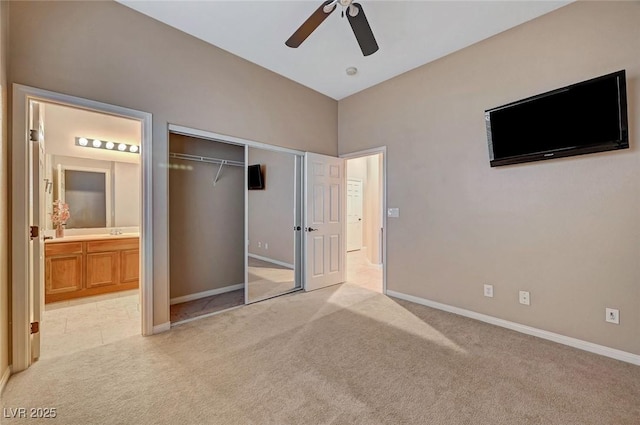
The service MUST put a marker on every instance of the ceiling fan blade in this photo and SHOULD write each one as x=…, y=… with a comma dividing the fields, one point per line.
x=309, y=25
x=362, y=31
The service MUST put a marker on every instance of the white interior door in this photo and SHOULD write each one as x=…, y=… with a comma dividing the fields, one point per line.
x=354, y=214
x=324, y=225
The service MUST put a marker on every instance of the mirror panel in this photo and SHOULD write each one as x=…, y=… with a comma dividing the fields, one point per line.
x=87, y=192
x=273, y=217
x=100, y=194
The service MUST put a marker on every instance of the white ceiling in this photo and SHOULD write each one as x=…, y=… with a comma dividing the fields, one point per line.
x=409, y=33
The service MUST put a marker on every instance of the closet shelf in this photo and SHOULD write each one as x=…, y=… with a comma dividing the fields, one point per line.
x=198, y=158
x=209, y=160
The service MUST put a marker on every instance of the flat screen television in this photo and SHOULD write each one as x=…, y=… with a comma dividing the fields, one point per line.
x=256, y=181
x=587, y=117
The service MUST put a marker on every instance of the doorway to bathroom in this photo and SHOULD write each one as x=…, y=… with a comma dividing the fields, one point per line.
x=81, y=194
x=86, y=168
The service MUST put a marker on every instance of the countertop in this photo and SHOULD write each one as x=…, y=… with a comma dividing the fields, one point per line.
x=80, y=238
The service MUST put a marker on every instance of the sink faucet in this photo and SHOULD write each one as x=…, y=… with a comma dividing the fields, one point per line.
x=115, y=231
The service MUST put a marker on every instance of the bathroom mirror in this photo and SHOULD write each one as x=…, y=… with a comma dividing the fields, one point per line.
x=100, y=194
x=274, y=217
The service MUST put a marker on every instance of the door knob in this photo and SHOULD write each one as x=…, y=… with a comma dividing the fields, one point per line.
x=311, y=229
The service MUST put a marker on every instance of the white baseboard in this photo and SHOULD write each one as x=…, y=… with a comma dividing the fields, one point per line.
x=271, y=260
x=551, y=336
x=161, y=328
x=5, y=378
x=205, y=294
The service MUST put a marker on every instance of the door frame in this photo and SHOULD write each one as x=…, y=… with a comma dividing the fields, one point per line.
x=368, y=152
x=20, y=168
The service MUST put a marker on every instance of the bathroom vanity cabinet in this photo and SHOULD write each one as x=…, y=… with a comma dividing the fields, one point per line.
x=80, y=266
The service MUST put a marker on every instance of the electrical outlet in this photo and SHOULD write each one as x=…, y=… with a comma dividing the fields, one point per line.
x=488, y=291
x=612, y=315
x=525, y=298
x=266, y=245
x=259, y=244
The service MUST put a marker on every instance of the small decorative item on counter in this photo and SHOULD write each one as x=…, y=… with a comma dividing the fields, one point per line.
x=60, y=216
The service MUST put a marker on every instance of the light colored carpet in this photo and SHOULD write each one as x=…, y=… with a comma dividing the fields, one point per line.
x=340, y=355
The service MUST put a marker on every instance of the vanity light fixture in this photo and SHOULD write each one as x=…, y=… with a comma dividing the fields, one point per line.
x=102, y=144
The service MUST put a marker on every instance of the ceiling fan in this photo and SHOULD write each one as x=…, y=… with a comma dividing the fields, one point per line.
x=355, y=15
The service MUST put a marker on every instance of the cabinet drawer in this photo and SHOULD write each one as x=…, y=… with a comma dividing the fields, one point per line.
x=62, y=248
x=112, y=245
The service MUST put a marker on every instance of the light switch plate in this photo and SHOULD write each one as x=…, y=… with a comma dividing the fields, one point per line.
x=393, y=212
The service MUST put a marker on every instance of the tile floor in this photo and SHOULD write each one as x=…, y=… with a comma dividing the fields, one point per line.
x=362, y=273
x=72, y=326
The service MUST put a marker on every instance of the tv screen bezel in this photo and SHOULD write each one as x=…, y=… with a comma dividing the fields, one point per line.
x=621, y=143
x=259, y=173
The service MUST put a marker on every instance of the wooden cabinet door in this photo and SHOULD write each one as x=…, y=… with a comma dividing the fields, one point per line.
x=130, y=266
x=63, y=274
x=103, y=269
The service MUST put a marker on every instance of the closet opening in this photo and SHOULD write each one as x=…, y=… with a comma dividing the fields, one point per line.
x=206, y=227
x=234, y=223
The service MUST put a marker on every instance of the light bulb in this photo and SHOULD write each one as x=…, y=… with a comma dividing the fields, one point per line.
x=96, y=143
x=109, y=145
x=122, y=147
x=83, y=141
x=133, y=149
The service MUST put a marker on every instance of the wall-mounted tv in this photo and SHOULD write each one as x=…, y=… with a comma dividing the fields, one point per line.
x=587, y=117
x=256, y=180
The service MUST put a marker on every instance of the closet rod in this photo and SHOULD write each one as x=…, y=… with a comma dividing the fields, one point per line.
x=205, y=159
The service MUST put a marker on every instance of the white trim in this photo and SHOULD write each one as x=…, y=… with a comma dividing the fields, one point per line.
x=271, y=260
x=551, y=336
x=20, y=299
x=246, y=224
x=162, y=328
x=368, y=152
x=204, y=294
x=217, y=137
x=5, y=379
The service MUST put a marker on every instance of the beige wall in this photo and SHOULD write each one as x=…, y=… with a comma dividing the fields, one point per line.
x=125, y=58
x=4, y=198
x=206, y=223
x=567, y=230
x=271, y=211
